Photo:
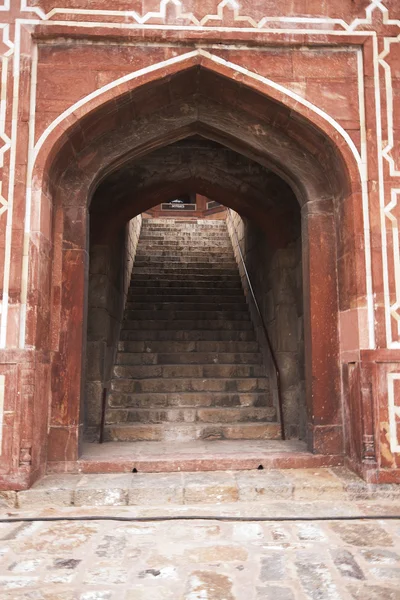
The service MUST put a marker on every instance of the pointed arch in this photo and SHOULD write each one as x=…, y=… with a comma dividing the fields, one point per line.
x=62, y=128
x=276, y=128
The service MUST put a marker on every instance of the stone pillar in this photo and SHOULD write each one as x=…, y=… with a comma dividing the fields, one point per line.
x=68, y=366
x=325, y=434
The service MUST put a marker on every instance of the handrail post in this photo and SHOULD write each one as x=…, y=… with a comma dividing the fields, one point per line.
x=269, y=344
x=103, y=415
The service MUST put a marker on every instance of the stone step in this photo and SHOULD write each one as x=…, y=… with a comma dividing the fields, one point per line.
x=186, y=358
x=186, y=306
x=187, y=295
x=182, y=231
x=202, y=254
x=178, y=432
x=177, y=315
x=187, y=325
x=184, y=224
x=188, y=336
x=186, y=228
x=185, y=248
x=186, y=260
x=296, y=492
x=195, y=279
x=191, y=415
x=185, y=385
x=170, y=346
x=179, y=246
x=144, y=282
x=171, y=272
x=187, y=399
x=215, y=240
x=197, y=230
x=187, y=370
x=169, y=265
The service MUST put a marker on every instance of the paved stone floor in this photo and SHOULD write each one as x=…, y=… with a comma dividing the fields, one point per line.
x=200, y=560
x=204, y=558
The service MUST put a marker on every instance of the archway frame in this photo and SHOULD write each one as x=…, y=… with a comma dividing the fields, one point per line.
x=64, y=145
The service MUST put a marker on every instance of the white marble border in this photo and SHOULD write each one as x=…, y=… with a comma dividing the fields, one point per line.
x=394, y=411
x=6, y=198
x=233, y=5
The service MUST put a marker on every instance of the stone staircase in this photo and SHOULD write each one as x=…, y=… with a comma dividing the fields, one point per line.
x=188, y=365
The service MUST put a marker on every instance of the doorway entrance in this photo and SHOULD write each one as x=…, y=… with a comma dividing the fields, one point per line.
x=240, y=145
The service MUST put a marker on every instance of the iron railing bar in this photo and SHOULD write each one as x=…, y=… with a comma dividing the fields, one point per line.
x=271, y=350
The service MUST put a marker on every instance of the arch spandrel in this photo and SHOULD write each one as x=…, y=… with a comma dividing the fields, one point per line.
x=285, y=112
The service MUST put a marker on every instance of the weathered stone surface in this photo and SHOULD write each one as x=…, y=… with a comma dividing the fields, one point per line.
x=156, y=489
x=263, y=485
x=324, y=485
x=273, y=592
x=346, y=564
x=310, y=531
x=217, y=554
x=374, y=592
x=206, y=584
x=157, y=593
x=273, y=567
x=316, y=578
x=202, y=489
x=305, y=490
x=8, y=499
x=195, y=560
x=362, y=534
x=52, y=491
x=247, y=531
x=380, y=556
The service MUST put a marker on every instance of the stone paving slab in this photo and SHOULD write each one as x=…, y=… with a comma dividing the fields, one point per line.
x=200, y=560
x=145, y=489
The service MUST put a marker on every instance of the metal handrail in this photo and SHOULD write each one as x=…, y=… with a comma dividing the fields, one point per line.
x=271, y=350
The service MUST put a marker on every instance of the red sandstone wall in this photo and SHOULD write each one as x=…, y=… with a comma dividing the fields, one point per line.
x=339, y=61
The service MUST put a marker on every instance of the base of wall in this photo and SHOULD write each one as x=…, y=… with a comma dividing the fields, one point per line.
x=371, y=473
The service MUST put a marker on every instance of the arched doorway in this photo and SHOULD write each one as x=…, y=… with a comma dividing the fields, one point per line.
x=271, y=241
x=252, y=120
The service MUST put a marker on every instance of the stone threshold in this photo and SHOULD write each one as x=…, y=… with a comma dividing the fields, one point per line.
x=170, y=457
x=272, y=488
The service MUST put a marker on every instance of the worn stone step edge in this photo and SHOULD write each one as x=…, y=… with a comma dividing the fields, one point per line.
x=190, y=488
x=187, y=325
x=153, y=290
x=189, y=284
x=189, y=253
x=199, y=335
x=166, y=371
x=183, y=432
x=176, y=315
x=183, y=304
x=161, y=347
x=118, y=399
x=191, y=384
x=201, y=275
x=198, y=415
x=188, y=358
